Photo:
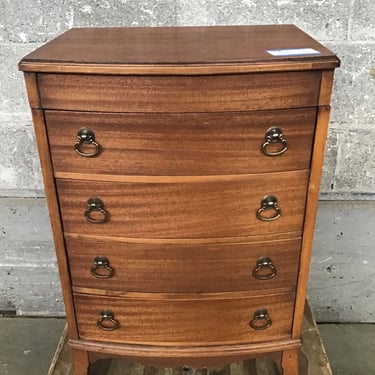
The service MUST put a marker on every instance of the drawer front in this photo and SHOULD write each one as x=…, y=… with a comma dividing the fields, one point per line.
x=185, y=210
x=165, y=268
x=182, y=144
x=184, y=321
x=211, y=93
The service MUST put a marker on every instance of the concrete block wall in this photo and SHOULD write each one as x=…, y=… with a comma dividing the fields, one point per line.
x=28, y=276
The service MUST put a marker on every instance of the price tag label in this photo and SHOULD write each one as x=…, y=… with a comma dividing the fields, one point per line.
x=293, y=52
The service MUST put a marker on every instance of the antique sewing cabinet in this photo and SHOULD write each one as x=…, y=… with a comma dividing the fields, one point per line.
x=182, y=169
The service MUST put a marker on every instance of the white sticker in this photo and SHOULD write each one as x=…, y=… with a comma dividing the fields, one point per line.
x=293, y=52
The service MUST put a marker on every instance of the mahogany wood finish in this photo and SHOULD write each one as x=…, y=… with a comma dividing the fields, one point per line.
x=185, y=210
x=175, y=46
x=184, y=268
x=181, y=144
x=158, y=94
x=186, y=241
x=189, y=322
x=289, y=361
x=180, y=115
x=32, y=90
x=312, y=204
x=177, y=50
x=80, y=361
x=53, y=207
x=326, y=88
x=200, y=356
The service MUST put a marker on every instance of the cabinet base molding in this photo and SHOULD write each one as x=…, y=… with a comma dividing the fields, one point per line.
x=312, y=359
x=200, y=356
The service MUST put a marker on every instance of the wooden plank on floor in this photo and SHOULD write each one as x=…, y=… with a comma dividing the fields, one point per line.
x=61, y=363
x=313, y=357
x=313, y=360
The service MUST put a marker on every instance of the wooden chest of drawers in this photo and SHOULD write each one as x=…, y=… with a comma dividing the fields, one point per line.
x=182, y=170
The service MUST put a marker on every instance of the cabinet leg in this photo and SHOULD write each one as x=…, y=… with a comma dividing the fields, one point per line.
x=80, y=360
x=289, y=362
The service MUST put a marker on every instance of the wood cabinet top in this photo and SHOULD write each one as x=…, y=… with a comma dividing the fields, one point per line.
x=180, y=50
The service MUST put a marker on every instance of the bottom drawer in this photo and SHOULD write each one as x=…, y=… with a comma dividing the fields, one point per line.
x=215, y=320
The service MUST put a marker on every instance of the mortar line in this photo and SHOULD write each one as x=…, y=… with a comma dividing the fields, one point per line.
x=350, y=20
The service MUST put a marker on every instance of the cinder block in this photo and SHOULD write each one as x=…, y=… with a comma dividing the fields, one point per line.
x=355, y=169
x=330, y=159
x=220, y=12
x=27, y=22
x=32, y=216
x=30, y=21
x=130, y=13
x=353, y=100
x=341, y=277
x=363, y=24
x=3, y=31
x=349, y=164
x=29, y=278
x=32, y=290
x=325, y=20
x=20, y=173
x=13, y=99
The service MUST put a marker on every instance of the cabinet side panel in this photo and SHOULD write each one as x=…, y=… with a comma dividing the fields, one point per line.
x=53, y=208
x=32, y=90
x=311, y=208
x=326, y=88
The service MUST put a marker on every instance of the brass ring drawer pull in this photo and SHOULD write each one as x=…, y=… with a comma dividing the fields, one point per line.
x=264, y=269
x=274, y=135
x=269, y=202
x=86, y=136
x=261, y=320
x=107, y=321
x=96, y=205
x=101, y=268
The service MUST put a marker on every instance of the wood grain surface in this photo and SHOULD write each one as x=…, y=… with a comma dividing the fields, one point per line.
x=186, y=210
x=184, y=322
x=158, y=94
x=178, y=50
x=184, y=268
x=181, y=144
x=311, y=209
x=313, y=360
x=181, y=114
x=168, y=45
x=53, y=208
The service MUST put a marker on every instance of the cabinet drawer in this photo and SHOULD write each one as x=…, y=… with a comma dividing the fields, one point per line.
x=184, y=321
x=185, y=210
x=184, y=268
x=181, y=144
x=210, y=93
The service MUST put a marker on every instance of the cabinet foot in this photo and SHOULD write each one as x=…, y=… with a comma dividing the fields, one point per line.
x=289, y=362
x=80, y=361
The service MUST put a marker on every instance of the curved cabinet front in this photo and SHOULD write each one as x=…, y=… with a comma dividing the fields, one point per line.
x=185, y=320
x=203, y=268
x=197, y=209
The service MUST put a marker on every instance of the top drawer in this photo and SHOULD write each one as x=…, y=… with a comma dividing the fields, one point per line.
x=213, y=93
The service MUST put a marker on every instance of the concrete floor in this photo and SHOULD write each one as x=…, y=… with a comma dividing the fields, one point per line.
x=350, y=348
x=28, y=344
